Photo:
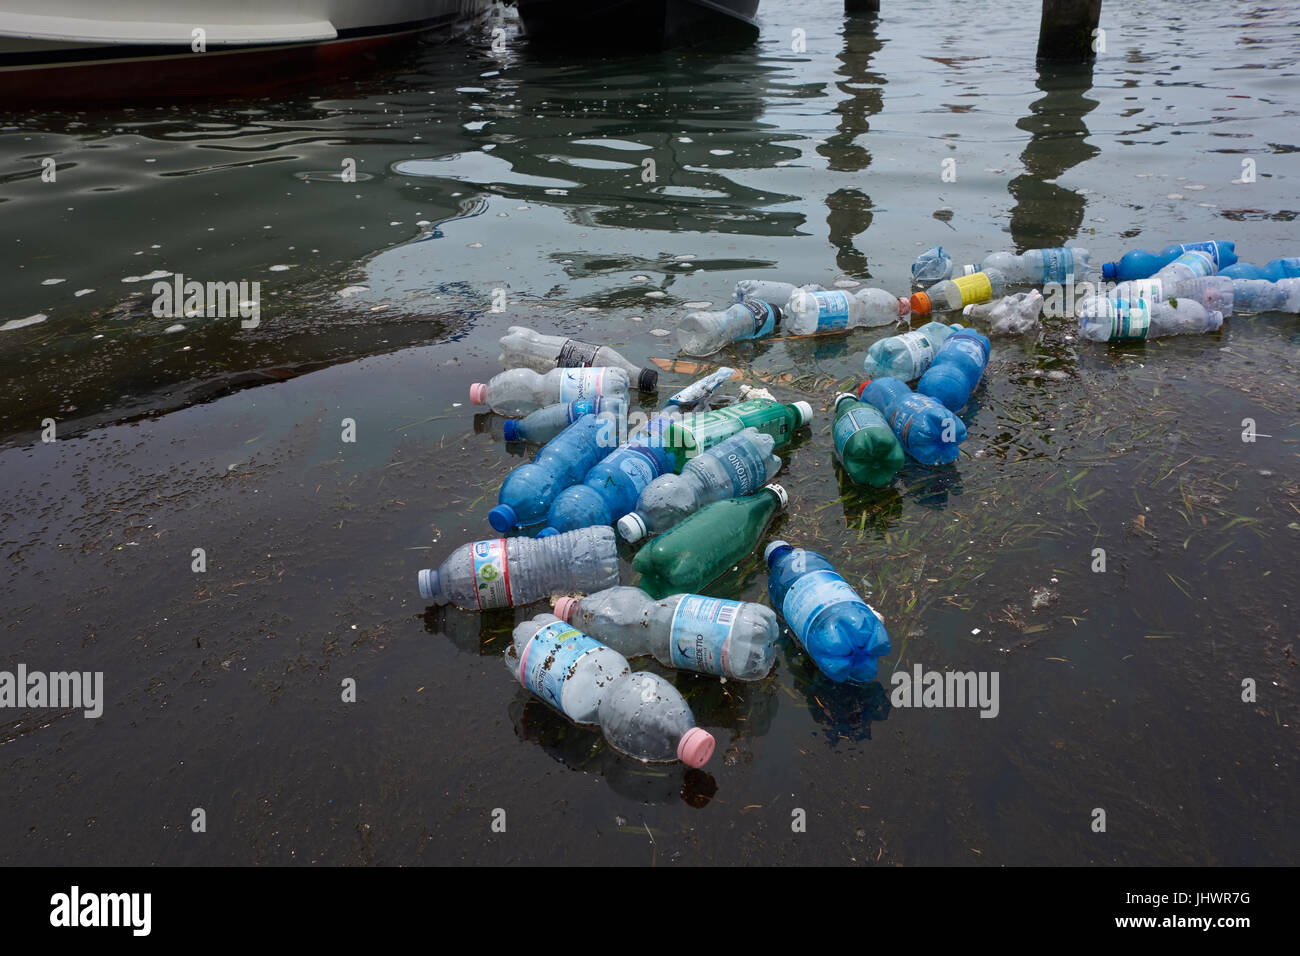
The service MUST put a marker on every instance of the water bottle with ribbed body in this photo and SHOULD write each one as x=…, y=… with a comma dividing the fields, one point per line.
x=807, y=313
x=696, y=432
x=707, y=544
x=1140, y=264
x=956, y=369
x=1288, y=268
x=1261, y=295
x=703, y=333
x=1216, y=293
x=1193, y=264
x=1121, y=320
x=769, y=290
x=529, y=490
x=1039, y=265
x=933, y=265
x=507, y=572
x=544, y=424
x=688, y=631
x=733, y=468
x=521, y=390
x=1010, y=315
x=523, y=348
x=952, y=294
x=906, y=356
x=640, y=714
x=928, y=431
x=841, y=632
x=866, y=446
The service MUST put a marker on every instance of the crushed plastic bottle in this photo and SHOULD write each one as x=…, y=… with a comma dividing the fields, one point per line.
x=639, y=713
x=928, y=431
x=544, y=424
x=697, y=432
x=956, y=369
x=1261, y=295
x=529, y=490
x=1140, y=264
x=707, y=544
x=735, y=467
x=768, y=290
x=1064, y=264
x=1288, y=268
x=521, y=390
x=842, y=633
x=952, y=294
x=1011, y=315
x=865, y=445
x=735, y=639
x=1121, y=320
x=524, y=348
x=808, y=313
x=508, y=572
x=933, y=265
x=698, y=392
x=703, y=333
x=907, y=355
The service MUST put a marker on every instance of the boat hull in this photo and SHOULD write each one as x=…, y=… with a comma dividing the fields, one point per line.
x=598, y=25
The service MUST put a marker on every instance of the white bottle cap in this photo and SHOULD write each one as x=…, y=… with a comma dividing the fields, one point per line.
x=767, y=552
x=781, y=496
x=805, y=412
x=631, y=527
x=966, y=310
x=968, y=270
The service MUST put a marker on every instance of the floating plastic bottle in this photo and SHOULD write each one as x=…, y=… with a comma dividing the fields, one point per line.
x=523, y=348
x=707, y=635
x=956, y=369
x=1010, y=315
x=1121, y=320
x=703, y=333
x=639, y=713
x=811, y=312
x=1064, y=264
x=1140, y=264
x=529, y=490
x=952, y=294
x=906, y=356
x=1288, y=268
x=699, y=391
x=1193, y=264
x=933, y=265
x=865, y=445
x=1261, y=295
x=507, y=572
x=735, y=467
x=841, y=632
x=521, y=390
x=544, y=424
x=611, y=488
x=767, y=290
x=1216, y=293
x=928, y=431
x=699, y=431
x=707, y=544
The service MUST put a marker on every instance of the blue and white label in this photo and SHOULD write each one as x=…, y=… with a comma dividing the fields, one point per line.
x=700, y=630
x=580, y=383
x=1210, y=248
x=1058, y=264
x=1129, y=321
x=852, y=422
x=745, y=466
x=812, y=594
x=764, y=317
x=832, y=311
x=550, y=659
x=1201, y=263
x=638, y=470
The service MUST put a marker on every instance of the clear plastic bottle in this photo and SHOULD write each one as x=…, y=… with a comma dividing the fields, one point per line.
x=1064, y=264
x=810, y=312
x=841, y=632
x=769, y=290
x=906, y=356
x=1192, y=264
x=703, y=333
x=733, y=468
x=521, y=390
x=1010, y=315
x=1216, y=293
x=1261, y=295
x=508, y=572
x=699, y=391
x=1121, y=320
x=639, y=713
x=952, y=294
x=956, y=369
x=689, y=631
x=933, y=265
x=927, y=430
x=529, y=490
x=523, y=348
x=544, y=424
x=866, y=446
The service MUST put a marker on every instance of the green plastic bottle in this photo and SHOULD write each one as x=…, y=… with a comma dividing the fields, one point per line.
x=706, y=545
x=864, y=443
x=697, y=432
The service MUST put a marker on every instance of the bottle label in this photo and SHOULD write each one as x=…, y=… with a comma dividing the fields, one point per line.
x=1210, y=248
x=580, y=383
x=550, y=657
x=974, y=288
x=574, y=354
x=764, y=317
x=853, y=421
x=700, y=630
x=812, y=594
x=1129, y=321
x=491, y=574
x=1058, y=265
x=832, y=311
x=747, y=471
x=1201, y=263
x=919, y=349
x=638, y=470
x=712, y=427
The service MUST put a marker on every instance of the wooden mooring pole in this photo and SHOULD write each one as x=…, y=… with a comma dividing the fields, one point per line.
x=861, y=6
x=1068, y=30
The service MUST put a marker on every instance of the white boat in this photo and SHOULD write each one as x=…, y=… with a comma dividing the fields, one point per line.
x=92, y=49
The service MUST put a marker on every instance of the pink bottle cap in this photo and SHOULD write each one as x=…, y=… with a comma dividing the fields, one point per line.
x=478, y=393
x=696, y=747
x=565, y=607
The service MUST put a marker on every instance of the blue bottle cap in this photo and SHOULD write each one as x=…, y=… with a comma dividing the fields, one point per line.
x=511, y=429
x=503, y=518
x=1108, y=270
x=547, y=532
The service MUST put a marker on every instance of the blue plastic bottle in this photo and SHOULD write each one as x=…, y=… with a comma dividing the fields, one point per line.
x=528, y=491
x=612, y=486
x=1288, y=268
x=838, y=629
x=546, y=423
x=956, y=370
x=1140, y=264
x=928, y=431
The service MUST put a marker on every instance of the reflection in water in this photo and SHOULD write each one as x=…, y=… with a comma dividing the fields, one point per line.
x=1047, y=214
x=484, y=634
x=869, y=510
x=845, y=711
x=930, y=486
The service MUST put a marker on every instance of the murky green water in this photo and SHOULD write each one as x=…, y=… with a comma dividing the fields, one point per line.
x=1119, y=690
